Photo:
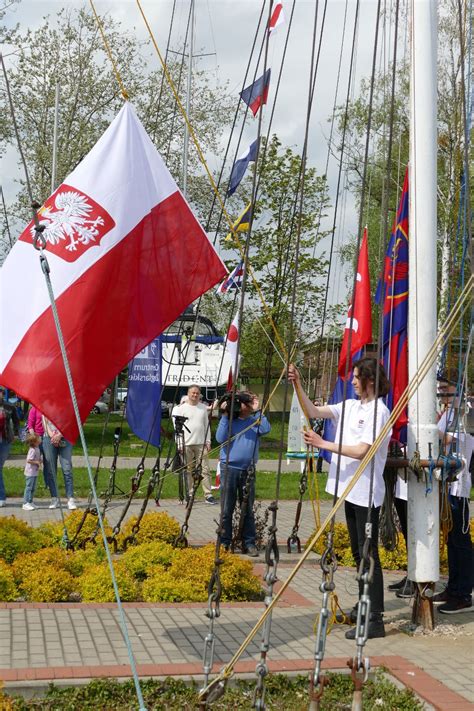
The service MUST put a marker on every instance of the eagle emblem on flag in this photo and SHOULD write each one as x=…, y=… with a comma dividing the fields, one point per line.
x=73, y=223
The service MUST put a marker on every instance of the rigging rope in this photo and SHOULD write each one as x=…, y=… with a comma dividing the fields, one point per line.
x=123, y=91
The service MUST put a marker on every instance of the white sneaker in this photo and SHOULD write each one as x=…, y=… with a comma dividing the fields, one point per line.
x=54, y=503
x=71, y=504
x=28, y=507
x=2, y=503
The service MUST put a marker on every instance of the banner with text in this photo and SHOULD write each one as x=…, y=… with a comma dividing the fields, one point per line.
x=144, y=393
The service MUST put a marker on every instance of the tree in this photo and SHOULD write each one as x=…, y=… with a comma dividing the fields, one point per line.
x=272, y=255
x=68, y=49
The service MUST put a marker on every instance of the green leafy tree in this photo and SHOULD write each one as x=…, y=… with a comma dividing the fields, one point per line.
x=68, y=49
x=272, y=255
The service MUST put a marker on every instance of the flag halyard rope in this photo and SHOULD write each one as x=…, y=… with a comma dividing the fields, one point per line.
x=123, y=91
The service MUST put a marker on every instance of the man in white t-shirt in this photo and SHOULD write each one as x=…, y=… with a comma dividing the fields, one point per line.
x=457, y=597
x=197, y=438
x=358, y=434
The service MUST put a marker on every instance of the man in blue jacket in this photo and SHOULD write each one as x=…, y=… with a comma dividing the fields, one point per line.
x=248, y=425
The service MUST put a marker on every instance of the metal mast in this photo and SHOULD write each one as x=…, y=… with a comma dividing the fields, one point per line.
x=188, y=102
x=423, y=496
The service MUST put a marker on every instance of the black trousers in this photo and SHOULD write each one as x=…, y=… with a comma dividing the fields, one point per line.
x=460, y=551
x=401, y=509
x=356, y=518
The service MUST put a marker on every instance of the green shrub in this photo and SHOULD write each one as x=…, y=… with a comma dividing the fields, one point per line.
x=27, y=563
x=156, y=526
x=8, y=590
x=141, y=560
x=82, y=558
x=48, y=584
x=96, y=584
x=188, y=576
x=54, y=531
x=17, y=537
x=162, y=587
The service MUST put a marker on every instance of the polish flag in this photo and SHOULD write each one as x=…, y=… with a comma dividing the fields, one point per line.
x=126, y=255
x=232, y=343
x=277, y=19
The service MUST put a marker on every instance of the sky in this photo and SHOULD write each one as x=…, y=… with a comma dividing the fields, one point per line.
x=225, y=29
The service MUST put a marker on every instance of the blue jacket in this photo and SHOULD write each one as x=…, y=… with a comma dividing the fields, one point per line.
x=244, y=448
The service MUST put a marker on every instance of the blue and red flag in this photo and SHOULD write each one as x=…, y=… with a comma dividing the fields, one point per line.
x=359, y=331
x=256, y=94
x=392, y=293
x=233, y=281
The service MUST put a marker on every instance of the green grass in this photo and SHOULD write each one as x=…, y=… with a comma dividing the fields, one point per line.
x=131, y=445
x=265, y=484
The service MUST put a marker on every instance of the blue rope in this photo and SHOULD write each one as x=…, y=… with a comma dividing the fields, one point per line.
x=122, y=619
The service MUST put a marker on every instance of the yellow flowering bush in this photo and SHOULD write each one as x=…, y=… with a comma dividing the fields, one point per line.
x=162, y=587
x=54, y=530
x=48, y=584
x=26, y=563
x=8, y=589
x=78, y=561
x=17, y=537
x=142, y=560
x=155, y=526
x=96, y=584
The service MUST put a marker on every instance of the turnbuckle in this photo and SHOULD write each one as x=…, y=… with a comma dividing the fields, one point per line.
x=261, y=671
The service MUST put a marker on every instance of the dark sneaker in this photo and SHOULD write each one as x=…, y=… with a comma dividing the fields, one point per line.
x=251, y=551
x=398, y=586
x=456, y=606
x=210, y=500
x=376, y=629
x=347, y=617
x=441, y=597
x=407, y=591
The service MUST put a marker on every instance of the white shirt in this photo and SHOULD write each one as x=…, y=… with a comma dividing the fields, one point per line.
x=197, y=422
x=462, y=447
x=359, y=427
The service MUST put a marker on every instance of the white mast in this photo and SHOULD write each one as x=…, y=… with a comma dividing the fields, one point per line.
x=188, y=100
x=423, y=513
x=55, y=140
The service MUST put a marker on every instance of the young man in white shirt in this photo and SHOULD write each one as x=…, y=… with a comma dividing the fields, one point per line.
x=197, y=438
x=359, y=433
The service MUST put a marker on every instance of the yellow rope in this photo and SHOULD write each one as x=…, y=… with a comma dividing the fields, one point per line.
x=107, y=49
x=212, y=181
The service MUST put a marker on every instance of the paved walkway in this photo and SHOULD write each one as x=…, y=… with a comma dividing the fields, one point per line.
x=41, y=642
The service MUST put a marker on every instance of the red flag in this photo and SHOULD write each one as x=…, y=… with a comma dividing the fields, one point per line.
x=362, y=319
x=127, y=256
x=277, y=18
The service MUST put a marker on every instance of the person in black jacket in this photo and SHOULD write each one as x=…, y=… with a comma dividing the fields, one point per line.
x=9, y=427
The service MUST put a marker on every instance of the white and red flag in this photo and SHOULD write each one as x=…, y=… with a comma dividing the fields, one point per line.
x=277, y=19
x=360, y=322
x=232, y=347
x=127, y=256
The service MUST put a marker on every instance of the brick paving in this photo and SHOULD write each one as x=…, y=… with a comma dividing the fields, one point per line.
x=70, y=641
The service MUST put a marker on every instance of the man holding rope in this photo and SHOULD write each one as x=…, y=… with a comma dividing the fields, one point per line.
x=358, y=433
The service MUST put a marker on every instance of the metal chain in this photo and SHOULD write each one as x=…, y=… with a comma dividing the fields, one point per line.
x=328, y=565
x=272, y=558
x=248, y=483
x=293, y=539
x=365, y=575
x=181, y=540
x=152, y=482
x=135, y=484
